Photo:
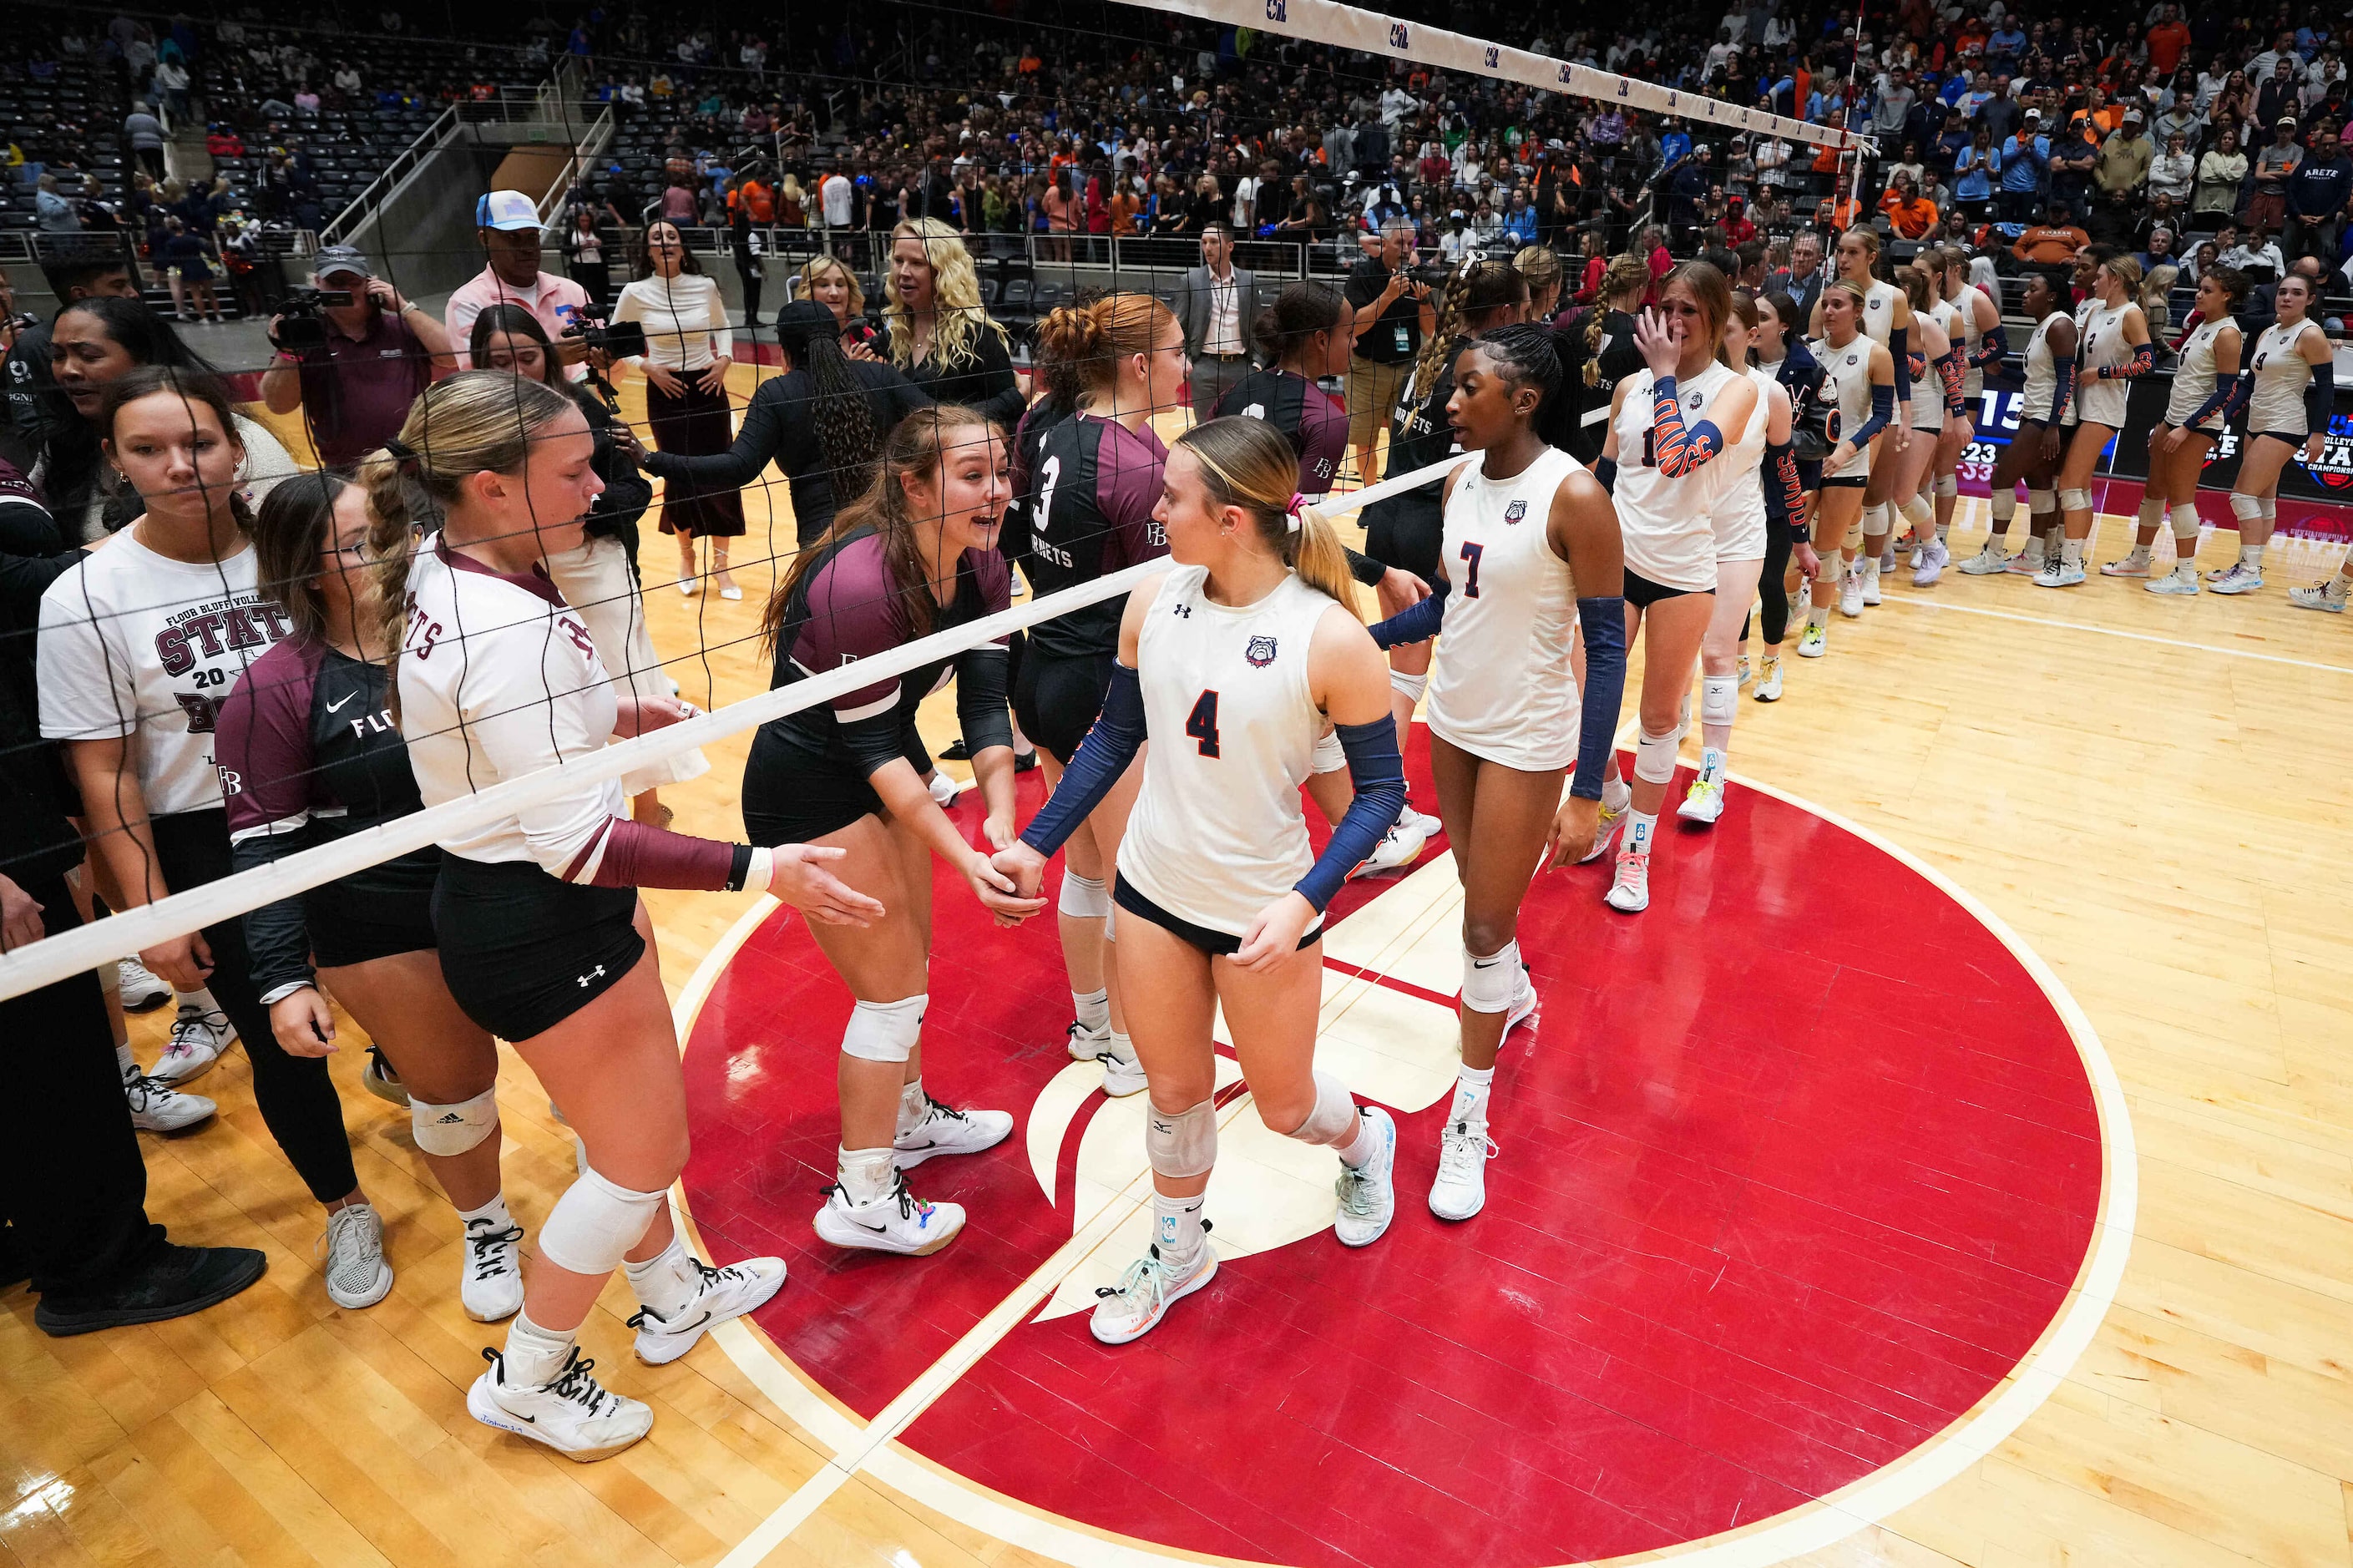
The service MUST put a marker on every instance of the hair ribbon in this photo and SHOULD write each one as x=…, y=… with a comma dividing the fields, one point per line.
x=1297, y=502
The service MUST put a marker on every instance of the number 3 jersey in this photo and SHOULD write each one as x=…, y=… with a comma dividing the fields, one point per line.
x=1218, y=832
x=1502, y=690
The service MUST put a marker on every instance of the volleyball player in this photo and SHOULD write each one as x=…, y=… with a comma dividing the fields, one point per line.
x=2117, y=348
x=1752, y=510
x=2293, y=394
x=308, y=754
x=139, y=643
x=1231, y=664
x=1676, y=432
x=1940, y=413
x=1985, y=342
x=1862, y=393
x=2204, y=394
x=1778, y=348
x=914, y=555
x=1532, y=546
x=1887, y=320
x=2033, y=455
x=543, y=940
x=1093, y=481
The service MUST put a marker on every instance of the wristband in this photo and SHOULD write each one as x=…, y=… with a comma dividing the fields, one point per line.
x=762, y=869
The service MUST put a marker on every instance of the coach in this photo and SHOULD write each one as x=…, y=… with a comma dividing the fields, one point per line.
x=1215, y=305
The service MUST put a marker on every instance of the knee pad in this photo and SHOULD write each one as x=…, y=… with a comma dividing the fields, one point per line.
x=2270, y=505
x=1950, y=486
x=2075, y=501
x=2005, y=507
x=1917, y=512
x=2040, y=502
x=2152, y=510
x=1110, y=917
x=1404, y=685
x=1181, y=1143
x=1654, y=757
x=1332, y=1122
x=454, y=1128
x=1084, y=898
x=1489, y=984
x=884, y=1031
x=1853, y=540
x=594, y=1224
x=1330, y=755
x=1719, y=698
x=2185, y=521
x=2246, y=509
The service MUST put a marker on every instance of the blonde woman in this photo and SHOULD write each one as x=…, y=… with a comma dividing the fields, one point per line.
x=942, y=339
x=828, y=281
x=1540, y=267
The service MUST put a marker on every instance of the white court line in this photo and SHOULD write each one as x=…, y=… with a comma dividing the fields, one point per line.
x=2120, y=632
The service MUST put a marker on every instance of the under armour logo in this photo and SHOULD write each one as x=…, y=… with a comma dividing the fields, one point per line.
x=592, y=977
x=1183, y=610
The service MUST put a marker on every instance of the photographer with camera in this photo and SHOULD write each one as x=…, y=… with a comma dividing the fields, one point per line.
x=508, y=223
x=352, y=355
x=1394, y=313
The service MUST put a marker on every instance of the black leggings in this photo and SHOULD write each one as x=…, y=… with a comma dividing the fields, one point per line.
x=1770, y=588
x=297, y=1098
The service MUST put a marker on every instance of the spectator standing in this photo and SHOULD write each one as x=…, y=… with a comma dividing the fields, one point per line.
x=380, y=355
x=2173, y=173
x=2074, y=155
x=2025, y=162
x=54, y=213
x=1216, y=303
x=145, y=134
x=507, y=223
x=688, y=346
x=2316, y=194
x=2121, y=172
x=1974, y=174
x=1393, y=314
x=2275, y=165
x=2220, y=172
x=584, y=258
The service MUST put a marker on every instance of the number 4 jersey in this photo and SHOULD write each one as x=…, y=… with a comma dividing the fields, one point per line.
x=1218, y=833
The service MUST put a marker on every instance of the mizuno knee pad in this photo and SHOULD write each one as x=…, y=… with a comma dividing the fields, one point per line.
x=1719, y=698
x=1181, y=1143
x=1333, y=1121
x=2075, y=501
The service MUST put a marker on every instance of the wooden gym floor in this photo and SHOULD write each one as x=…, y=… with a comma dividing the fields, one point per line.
x=2149, y=793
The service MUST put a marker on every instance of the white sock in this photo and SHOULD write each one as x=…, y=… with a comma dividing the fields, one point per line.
x=1617, y=794
x=1093, y=1009
x=1871, y=568
x=1122, y=1045
x=125, y=1064
x=2071, y=552
x=2140, y=555
x=2337, y=586
x=663, y=1283
x=1359, y=1153
x=1472, y=1086
x=912, y=1106
x=864, y=1174
x=2251, y=556
x=493, y=1213
x=1944, y=530
x=1176, y=1232
x=1639, y=828
x=533, y=1355
x=1818, y=616
x=200, y=1000
x=1711, y=765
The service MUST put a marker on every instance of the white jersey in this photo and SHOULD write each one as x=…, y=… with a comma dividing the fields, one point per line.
x=2193, y=378
x=499, y=677
x=1502, y=690
x=1878, y=311
x=1738, y=514
x=1965, y=306
x=1849, y=370
x=2101, y=344
x=1664, y=520
x=2276, y=406
x=1929, y=387
x=1218, y=834
x=135, y=642
x=2042, y=375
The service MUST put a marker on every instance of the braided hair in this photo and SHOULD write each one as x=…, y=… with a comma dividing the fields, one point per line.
x=1527, y=354
x=810, y=337
x=1476, y=289
x=1625, y=273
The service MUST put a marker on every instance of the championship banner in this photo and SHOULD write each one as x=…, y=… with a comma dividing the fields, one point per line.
x=1328, y=22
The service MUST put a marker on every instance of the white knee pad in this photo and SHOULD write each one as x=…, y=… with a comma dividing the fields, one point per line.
x=1853, y=540
x=1181, y=1143
x=1406, y=685
x=2152, y=510
x=1084, y=898
x=884, y=1031
x=1110, y=917
x=1947, y=486
x=1917, y=512
x=1330, y=755
x=1489, y=984
x=2246, y=509
x=2005, y=507
x=1332, y=1122
x=594, y=1224
x=2270, y=505
x=2185, y=521
x=454, y=1128
x=2075, y=501
x=1654, y=757
x=2041, y=502
x=1719, y=698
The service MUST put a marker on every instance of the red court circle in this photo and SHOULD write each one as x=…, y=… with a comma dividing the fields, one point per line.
x=1798, y=1169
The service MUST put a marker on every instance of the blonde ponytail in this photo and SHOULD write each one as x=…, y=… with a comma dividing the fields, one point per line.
x=1249, y=464
x=1316, y=554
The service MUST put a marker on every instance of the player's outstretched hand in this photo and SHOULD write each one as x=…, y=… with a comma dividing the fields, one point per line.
x=798, y=875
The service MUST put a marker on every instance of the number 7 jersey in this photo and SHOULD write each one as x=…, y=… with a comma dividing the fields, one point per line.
x=1502, y=690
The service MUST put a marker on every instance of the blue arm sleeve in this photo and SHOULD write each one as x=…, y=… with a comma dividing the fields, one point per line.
x=2320, y=397
x=1417, y=622
x=2223, y=396
x=1603, y=622
x=2063, y=386
x=1605, y=470
x=1883, y=410
x=1899, y=349
x=1101, y=757
x=1378, y=773
x=2242, y=390
x=2143, y=361
x=1992, y=349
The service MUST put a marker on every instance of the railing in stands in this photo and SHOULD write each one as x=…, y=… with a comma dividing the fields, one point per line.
x=526, y=107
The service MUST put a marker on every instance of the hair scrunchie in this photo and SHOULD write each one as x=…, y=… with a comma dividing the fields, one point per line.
x=1297, y=502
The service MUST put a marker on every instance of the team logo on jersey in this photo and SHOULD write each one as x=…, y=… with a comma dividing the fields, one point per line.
x=1261, y=652
x=1516, y=510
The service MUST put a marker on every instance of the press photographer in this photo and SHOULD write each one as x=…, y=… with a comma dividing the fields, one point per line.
x=352, y=355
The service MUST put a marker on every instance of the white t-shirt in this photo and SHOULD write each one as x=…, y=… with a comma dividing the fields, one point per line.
x=835, y=193
x=1245, y=193
x=685, y=321
x=133, y=642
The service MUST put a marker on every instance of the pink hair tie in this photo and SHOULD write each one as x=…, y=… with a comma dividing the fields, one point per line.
x=1297, y=500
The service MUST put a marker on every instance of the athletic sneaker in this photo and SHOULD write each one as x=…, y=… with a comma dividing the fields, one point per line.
x=2173, y=583
x=1524, y=1002
x=1768, y=685
x=1398, y=847
x=1630, y=893
x=577, y=1416
x=1123, y=1075
x=1870, y=576
x=491, y=1288
x=2237, y=578
x=2133, y=566
x=1088, y=1044
x=1605, y=829
x=167, y=1281
x=1887, y=561
x=947, y=1131
x=1815, y=641
x=898, y=1221
x=2318, y=597
x=2058, y=574
x=142, y=989
x=1704, y=803
x=1850, y=599
x=1991, y=559
x=1430, y=826
x=943, y=789
x=1133, y=1308
x=1460, y=1189
x=719, y=1295
x=2025, y=563
x=1929, y=564
x=1741, y=672
x=1368, y=1192
x=157, y=1107
x=199, y=1034
x=357, y=1274
x=378, y=1078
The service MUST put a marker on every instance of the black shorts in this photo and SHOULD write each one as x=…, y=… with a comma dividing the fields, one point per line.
x=522, y=950
x=1408, y=532
x=2279, y=436
x=1845, y=481
x=1177, y=926
x=1057, y=698
x=351, y=925
x=1810, y=473
x=796, y=793
x=1642, y=593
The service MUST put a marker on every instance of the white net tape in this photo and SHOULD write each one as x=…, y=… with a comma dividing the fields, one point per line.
x=47, y=962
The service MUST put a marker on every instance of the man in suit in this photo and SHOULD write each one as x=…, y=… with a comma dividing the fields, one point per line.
x=1214, y=306
x=1802, y=280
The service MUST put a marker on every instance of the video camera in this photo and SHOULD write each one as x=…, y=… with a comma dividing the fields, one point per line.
x=624, y=340
x=302, y=324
